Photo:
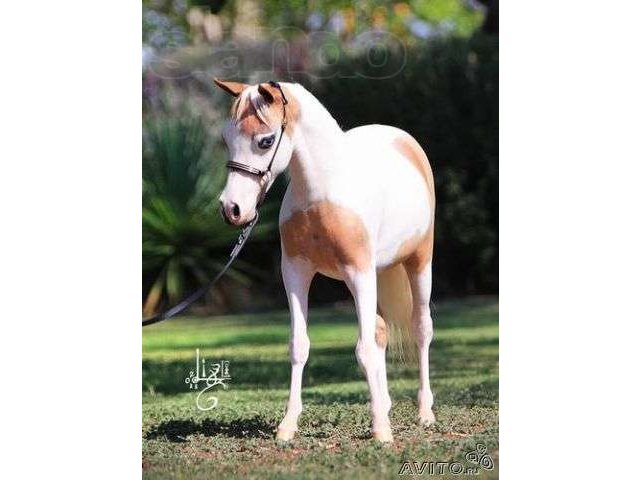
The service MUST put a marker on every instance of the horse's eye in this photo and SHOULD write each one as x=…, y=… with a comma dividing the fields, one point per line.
x=266, y=142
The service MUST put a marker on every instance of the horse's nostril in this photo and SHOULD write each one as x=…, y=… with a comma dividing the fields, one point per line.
x=235, y=210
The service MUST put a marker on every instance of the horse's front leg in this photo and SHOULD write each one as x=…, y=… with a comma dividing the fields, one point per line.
x=370, y=351
x=297, y=276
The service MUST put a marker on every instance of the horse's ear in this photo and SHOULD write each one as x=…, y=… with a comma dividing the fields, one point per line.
x=268, y=92
x=232, y=88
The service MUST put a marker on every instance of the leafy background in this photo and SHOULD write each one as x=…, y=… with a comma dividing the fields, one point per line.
x=429, y=67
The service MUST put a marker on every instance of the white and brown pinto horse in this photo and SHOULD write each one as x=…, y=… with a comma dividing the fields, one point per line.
x=359, y=208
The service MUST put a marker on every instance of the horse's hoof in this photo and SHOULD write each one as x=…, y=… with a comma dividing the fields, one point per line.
x=383, y=435
x=427, y=418
x=285, y=435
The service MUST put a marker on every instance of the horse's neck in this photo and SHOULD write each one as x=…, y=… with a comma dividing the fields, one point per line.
x=318, y=146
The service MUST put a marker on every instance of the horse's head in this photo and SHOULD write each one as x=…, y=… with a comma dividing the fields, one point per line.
x=257, y=151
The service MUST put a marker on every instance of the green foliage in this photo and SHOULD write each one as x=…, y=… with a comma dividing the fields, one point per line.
x=235, y=439
x=444, y=92
x=457, y=14
x=164, y=23
x=447, y=16
x=446, y=96
x=184, y=242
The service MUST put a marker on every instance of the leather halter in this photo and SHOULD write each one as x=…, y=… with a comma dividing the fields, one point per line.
x=265, y=173
x=244, y=235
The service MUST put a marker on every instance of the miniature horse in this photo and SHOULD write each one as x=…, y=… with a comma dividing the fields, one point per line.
x=359, y=208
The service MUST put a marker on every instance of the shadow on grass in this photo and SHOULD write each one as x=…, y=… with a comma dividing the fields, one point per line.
x=244, y=339
x=177, y=431
x=248, y=340
x=327, y=365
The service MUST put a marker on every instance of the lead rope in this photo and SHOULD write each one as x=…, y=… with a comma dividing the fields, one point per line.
x=188, y=301
x=246, y=231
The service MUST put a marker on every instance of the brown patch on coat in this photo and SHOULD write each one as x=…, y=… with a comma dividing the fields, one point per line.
x=276, y=110
x=248, y=121
x=417, y=252
x=329, y=236
x=381, y=332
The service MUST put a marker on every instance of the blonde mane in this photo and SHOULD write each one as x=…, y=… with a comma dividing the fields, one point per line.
x=250, y=99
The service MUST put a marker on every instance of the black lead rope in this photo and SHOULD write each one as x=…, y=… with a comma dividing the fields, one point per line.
x=246, y=231
x=188, y=301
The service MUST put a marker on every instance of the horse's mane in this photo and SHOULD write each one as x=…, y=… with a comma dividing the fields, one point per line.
x=250, y=102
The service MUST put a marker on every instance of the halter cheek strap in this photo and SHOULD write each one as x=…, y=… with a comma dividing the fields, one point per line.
x=265, y=180
x=265, y=174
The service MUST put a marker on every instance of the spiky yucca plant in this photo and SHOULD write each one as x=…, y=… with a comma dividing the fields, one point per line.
x=184, y=240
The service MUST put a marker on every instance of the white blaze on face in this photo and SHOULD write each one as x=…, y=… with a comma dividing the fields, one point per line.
x=242, y=190
x=252, y=137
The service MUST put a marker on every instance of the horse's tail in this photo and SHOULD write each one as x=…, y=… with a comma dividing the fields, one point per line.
x=395, y=304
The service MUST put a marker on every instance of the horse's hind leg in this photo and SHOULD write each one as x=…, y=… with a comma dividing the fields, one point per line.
x=423, y=329
x=381, y=342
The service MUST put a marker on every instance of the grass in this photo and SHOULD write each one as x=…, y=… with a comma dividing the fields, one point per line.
x=236, y=440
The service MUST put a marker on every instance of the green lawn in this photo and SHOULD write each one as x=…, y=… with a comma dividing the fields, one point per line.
x=236, y=438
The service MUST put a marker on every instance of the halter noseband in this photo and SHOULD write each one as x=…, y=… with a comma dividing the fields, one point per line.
x=244, y=236
x=262, y=173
